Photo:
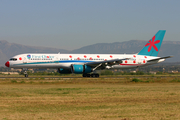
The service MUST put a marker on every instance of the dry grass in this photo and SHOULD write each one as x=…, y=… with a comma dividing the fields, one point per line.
x=90, y=99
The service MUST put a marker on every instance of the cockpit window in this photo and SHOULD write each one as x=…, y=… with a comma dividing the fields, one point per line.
x=13, y=59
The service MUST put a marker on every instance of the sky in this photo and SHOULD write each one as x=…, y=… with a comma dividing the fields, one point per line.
x=72, y=24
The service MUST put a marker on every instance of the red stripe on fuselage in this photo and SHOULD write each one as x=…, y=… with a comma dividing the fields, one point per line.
x=131, y=64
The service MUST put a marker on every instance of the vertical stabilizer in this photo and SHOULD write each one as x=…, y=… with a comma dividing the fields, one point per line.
x=153, y=46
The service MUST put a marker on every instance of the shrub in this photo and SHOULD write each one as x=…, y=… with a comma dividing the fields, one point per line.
x=13, y=81
x=159, y=73
x=139, y=73
x=136, y=80
x=22, y=81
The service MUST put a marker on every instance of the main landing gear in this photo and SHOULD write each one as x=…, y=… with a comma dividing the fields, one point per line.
x=94, y=75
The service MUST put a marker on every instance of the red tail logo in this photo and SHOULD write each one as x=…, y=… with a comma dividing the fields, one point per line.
x=152, y=44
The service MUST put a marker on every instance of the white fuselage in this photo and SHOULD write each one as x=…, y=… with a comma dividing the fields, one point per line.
x=66, y=60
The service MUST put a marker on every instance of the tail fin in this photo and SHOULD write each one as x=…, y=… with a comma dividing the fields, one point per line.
x=153, y=46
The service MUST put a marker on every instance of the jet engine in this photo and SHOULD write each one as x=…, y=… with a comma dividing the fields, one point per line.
x=80, y=69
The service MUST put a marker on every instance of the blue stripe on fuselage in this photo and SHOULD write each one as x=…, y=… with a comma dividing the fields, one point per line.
x=64, y=61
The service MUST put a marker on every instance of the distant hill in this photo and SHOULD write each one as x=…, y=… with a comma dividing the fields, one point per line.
x=8, y=50
x=132, y=46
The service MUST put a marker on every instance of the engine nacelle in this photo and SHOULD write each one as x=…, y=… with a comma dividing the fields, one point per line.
x=64, y=71
x=80, y=69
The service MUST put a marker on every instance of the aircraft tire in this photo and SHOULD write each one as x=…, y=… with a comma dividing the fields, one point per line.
x=86, y=75
x=26, y=75
x=95, y=75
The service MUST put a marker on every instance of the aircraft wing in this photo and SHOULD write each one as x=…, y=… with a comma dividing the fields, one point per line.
x=159, y=58
x=105, y=63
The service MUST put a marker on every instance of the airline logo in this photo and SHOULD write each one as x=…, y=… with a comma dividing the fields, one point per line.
x=28, y=56
x=152, y=44
x=39, y=56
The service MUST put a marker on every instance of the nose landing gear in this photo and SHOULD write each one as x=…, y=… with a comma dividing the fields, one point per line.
x=26, y=75
x=24, y=71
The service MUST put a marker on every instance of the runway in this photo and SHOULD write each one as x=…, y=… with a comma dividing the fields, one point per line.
x=79, y=77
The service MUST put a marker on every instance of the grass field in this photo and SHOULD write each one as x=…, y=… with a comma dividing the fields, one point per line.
x=80, y=98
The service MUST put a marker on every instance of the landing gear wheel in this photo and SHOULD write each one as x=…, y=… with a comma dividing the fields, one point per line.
x=26, y=75
x=86, y=75
x=95, y=75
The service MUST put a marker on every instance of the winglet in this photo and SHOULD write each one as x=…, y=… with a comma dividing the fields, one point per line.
x=153, y=46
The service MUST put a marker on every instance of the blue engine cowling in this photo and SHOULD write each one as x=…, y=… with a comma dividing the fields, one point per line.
x=80, y=69
x=64, y=71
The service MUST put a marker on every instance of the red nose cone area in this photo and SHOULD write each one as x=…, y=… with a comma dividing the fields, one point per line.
x=7, y=64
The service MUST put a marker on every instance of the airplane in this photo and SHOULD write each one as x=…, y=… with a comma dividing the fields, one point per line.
x=88, y=64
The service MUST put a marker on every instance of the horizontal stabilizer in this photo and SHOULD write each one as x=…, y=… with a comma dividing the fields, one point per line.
x=159, y=58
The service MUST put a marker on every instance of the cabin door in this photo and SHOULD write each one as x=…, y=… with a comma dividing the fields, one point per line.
x=25, y=59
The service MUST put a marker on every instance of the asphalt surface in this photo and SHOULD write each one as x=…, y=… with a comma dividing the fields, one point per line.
x=70, y=77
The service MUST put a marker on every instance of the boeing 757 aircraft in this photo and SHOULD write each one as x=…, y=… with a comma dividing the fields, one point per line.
x=87, y=64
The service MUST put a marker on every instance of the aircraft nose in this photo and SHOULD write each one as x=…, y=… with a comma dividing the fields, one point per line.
x=7, y=64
